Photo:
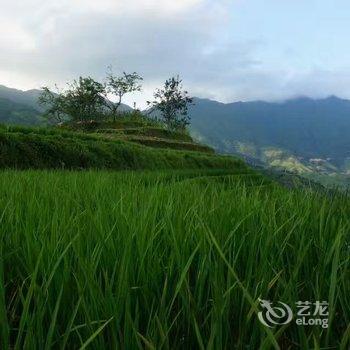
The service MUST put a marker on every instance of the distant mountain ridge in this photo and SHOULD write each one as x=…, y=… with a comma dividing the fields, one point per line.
x=24, y=101
x=17, y=113
x=301, y=134
x=29, y=97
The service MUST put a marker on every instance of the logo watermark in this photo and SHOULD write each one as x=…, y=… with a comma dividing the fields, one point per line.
x=308, y=313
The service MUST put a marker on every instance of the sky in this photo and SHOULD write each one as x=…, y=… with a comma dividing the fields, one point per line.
x=227, y=50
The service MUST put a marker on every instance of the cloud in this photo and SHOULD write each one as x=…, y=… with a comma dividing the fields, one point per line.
x=14, y=37
x=61, y=40
x=164, y=7
x=55, y=41
x=261, y=83
x=85, y=35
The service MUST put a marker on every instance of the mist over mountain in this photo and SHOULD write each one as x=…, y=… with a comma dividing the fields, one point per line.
x=20, y=114
x=300, y=134
x=29, y=97
x=22, y=107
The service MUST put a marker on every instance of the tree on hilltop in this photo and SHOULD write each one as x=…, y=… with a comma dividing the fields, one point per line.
x=54, y=103
x=119, y=86
x=85, y=99
x=82, y=100
x=172, y=102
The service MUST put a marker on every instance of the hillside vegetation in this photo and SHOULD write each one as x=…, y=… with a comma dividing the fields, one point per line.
x=167, y=260
x=88, y=145
x=173, y=251
x=18, y=114
x=303, y=135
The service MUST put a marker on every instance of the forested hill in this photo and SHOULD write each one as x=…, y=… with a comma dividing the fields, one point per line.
x=301, y=133
x=28, y=98
x=17, y=113
x=22, y=107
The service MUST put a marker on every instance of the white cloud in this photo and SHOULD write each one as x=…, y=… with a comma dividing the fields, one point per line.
x=14, y=37
x=44, y=42
x=79, y=37
x=135, y=6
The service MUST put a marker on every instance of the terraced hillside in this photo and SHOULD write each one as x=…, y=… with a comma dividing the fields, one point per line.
x=143, y=131
x=174, y=254
x=124, y=144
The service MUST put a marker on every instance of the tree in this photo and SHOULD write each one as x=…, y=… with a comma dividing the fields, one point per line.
x=85, y=99
x=119, y=86
x=54, y=102
x=82, y=100
x=172, y=102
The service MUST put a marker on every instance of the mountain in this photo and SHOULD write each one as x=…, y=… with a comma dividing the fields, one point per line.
x=19, y=107
x=303, y=134
x=22, y=108
x=28, y=98
x=309, y=136
x=19, y=114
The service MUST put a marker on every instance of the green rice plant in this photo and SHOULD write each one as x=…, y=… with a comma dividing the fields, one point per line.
x=167, y=260
x=44, y=148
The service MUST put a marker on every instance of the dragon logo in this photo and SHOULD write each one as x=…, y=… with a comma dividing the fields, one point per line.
x=273, y=316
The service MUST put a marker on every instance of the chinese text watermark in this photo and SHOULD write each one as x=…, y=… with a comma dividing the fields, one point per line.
x=308, y=313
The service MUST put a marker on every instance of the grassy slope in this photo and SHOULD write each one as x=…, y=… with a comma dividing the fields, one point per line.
x=24, y=148
x=148, y=131
x=166, y=260
x=138, y=129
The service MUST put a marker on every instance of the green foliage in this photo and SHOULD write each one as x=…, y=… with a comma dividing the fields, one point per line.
x=125, y=120
x=150, y=131
x=86, y=99
x=16, y=113
x=172, y=102
x=168, y=143
x=54, y=105
x=119, y=86
x=82, y=100
x=301, y=128
x=24, y=148
x=137, y=128
x=173, y=260
x=144, y=131
x=340, y=181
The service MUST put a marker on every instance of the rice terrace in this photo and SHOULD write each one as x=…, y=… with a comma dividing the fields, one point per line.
x=141, y=208
x=173, y=256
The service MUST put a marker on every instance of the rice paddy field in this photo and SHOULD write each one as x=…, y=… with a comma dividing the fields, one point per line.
x=168, y=260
